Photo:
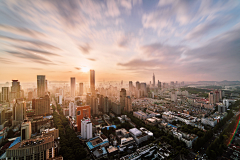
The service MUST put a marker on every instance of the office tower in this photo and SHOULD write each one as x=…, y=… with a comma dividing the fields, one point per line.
x=73, y=87
x=116, y=108
x=26, y=130
x=122, y=97
x=128, y=104
x=41, y=85
x=82, y=112
x=15, y=90
x=159, y=84
x=176, y=83
x=86, y=128
x=72, y=109
x=92, y=81
x=5, y=94
x=121, y=82
x=30, y=96
x=106, y=105
x=42, y=105
x=46, y=85
x=153, y=80
x=172, y=83
x=130, y=86
x=211, y=98
x=2, y=118
x=19, y=112
x=80, y=89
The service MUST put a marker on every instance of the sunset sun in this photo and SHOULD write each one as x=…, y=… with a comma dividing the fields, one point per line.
x=85, y=69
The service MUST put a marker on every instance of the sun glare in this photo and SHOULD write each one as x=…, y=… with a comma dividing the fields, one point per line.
x=85, y=69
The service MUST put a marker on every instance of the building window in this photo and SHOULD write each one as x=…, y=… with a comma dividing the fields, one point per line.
x=78, y=113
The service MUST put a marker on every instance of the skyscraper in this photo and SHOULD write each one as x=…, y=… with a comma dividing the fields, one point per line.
x=46, y=85
x=86, y=128
x=153, y=80
x=128, y=104
x=42, y=105
x=82, y=112
x=80, y=89
x=122, y=97
x=92, y=81
x=106, y=105
x=19, y=112
x=73, y=82
x=5, y=94
x=130, y=86
x=41, y=85
x=159, y=84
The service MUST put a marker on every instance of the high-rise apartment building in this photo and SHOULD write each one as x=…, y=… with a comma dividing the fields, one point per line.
x=128, y=104
x=159, y=84
x=41, y=85
x=211, y=98
x=94, y=103
x=116, y=108
x=137, y=85
x=30, y=95
x=42, y=105
x=72, y=109
x=217, y=96
x=92, y=81
x=106, y=105
x=26, y=130
x=86, y=128
x=46, y=85
x=143, y=87
x=130, y=86
x=82, y=112
x=73, y=83
x=122, y=97
x=5, y=94
x=153, y=80
x=2, y=118
x=15, y=90
x=19, y=112
x=80, y=89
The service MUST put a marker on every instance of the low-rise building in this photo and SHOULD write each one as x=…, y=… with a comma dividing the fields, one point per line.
x=138, y=135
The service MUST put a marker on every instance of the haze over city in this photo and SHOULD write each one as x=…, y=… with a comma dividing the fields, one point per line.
x=177, y=40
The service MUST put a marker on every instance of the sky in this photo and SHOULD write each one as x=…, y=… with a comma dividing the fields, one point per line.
x=120, y=39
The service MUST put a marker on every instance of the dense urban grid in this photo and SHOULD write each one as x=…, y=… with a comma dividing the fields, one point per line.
x=119, y=120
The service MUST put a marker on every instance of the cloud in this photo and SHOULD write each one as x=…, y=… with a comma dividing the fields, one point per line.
x=208, y=26
x=6, y=61
x=91, y=59
x=77, y=68
x=35, y=43
x=140, y=64
x=32, y=57
x=21, y=31
x=124, y=41
x=85, y=48
x=37, y=51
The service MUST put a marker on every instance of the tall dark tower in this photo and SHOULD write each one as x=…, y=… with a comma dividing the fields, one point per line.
x=92, y=81
x=153, y=80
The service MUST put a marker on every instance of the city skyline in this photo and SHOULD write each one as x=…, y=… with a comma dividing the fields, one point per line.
x=120, y=40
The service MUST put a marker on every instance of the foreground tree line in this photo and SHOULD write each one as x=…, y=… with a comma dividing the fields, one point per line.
x=220, y=144
x=71, y=146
